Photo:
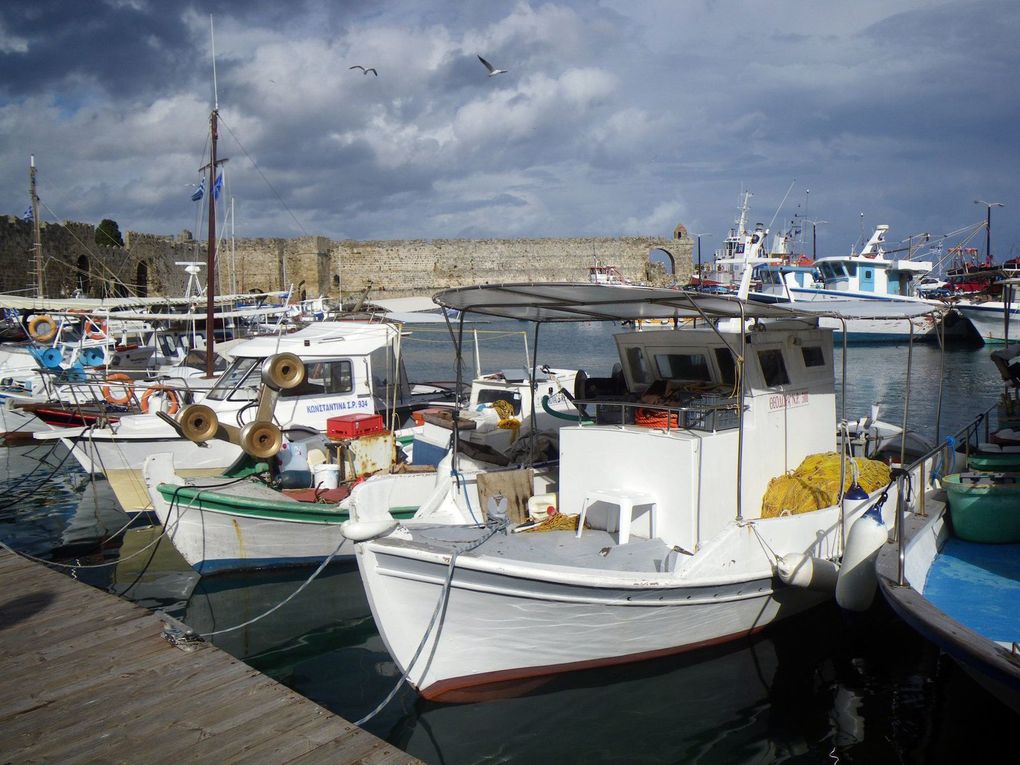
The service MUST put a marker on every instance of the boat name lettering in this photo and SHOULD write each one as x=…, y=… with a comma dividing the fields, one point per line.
x=788, y=400
x=337, y=406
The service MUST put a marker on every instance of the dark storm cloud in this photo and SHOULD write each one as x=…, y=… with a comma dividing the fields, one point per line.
x=614, y=118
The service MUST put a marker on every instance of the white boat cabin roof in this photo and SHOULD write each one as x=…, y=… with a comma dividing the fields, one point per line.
x=583, y=301
x=324, y=339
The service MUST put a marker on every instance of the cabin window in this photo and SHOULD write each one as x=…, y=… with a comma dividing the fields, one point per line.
x=637, y=365
x=240, y=381
x=773, y=367
x=683, y=366
x=813, y=356
x=727, y=365
x=324, y=378
x=851, y=269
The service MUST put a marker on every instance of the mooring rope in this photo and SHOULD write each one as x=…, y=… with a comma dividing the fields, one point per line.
x=439, y=613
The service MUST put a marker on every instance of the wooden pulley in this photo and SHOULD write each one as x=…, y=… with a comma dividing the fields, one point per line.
x=261, y=439
x=283, y=371
x=198, y=423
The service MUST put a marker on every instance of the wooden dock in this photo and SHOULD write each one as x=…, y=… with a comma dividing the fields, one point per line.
x=86, y=676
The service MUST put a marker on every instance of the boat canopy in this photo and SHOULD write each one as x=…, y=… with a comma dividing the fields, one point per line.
x=583, y=301
x=89, y=305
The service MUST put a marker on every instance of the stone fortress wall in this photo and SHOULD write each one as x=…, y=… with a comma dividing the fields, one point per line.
x=148, y=264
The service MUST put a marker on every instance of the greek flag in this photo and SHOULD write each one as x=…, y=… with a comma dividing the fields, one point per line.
x=218, y=186
x=199, y=192
x=27, y=215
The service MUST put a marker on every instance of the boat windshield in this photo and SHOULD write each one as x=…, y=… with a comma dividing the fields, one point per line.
x=239, y=382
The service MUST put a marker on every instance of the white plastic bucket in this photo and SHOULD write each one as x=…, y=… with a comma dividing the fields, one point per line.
x=326, y=476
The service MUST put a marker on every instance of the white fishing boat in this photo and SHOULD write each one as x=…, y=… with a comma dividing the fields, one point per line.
x=743, y=250
x=352, y=367
x=677, y=540
x=864, y=275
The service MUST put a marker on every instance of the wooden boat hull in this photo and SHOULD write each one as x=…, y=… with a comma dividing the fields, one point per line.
x=984, y=507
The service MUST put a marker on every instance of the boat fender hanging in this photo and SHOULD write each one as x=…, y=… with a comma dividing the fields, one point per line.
x=362, y=531
x=857, y=581
x=800, y=570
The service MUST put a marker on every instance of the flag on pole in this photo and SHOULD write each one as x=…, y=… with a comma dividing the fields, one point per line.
x=218, y=185
x=199, y=192
x=27, y=215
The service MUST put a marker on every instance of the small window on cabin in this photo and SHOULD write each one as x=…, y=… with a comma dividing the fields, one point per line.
x=683, y=366
x=324, y=378
x=813, y=356
x=727, y=365
x=773, y=368
x=637, y=365
x=851, y=269
x=867, y=274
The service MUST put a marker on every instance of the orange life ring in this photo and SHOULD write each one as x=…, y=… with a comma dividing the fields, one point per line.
x=95, y=330
x=129, y=389
x=46, y=332
x=169, y=393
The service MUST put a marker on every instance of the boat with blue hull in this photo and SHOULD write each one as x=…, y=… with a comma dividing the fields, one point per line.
x=962, y=596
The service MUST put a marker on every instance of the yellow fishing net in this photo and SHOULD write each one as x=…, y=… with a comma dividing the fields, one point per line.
x=507, y=421
x=815, y=484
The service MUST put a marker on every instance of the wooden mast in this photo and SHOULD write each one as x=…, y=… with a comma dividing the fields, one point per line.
x=210, y=288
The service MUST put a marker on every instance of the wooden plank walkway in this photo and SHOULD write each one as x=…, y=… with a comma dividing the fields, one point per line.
x=86, y=676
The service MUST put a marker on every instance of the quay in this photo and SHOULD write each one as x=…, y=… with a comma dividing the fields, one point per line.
x=86, y=676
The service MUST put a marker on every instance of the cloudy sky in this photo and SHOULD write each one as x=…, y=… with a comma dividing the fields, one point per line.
x=616, y=117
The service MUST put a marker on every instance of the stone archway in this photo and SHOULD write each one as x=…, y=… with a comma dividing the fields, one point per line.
x=82, y=280
x=142, y=279
x=664, y=256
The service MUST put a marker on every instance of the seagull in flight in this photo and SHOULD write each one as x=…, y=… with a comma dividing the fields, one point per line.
x=364, y=70
x=493, y=71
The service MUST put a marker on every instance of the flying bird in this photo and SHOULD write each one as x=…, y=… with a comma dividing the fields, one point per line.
x=493, y=71
x=364, y=70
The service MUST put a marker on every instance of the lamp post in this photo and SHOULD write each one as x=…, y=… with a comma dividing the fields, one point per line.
x=698, y=236
x=988, y=226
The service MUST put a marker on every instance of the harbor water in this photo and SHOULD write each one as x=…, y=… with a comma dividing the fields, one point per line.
x=819, y=688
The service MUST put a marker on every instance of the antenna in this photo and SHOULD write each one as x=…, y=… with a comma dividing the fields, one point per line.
x=212, y=40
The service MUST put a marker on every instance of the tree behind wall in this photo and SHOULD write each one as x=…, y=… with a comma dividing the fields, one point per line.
x=108, y=234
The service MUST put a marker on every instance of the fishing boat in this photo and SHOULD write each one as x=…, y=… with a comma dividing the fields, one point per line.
x=961, y=594
x=353, y=367
x=864, y=275
x=672, y=527
x=743, y=250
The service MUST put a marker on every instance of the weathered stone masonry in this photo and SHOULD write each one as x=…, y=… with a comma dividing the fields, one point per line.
x=317, y=265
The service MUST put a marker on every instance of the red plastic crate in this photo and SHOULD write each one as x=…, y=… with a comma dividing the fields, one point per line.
x=354, y=425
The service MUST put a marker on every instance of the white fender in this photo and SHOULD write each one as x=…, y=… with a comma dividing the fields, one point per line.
x=857, y=581
x=800, y=570
x=362, y=531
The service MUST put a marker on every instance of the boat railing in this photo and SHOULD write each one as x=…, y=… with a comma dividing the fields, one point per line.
x=708, y=413
x=944, y=453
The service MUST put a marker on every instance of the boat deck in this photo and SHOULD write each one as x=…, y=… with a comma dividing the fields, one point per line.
x=978, y=585
x=88, y=677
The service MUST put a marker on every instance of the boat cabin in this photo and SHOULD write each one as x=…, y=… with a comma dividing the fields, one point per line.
x=670, y=424
x=350, y=368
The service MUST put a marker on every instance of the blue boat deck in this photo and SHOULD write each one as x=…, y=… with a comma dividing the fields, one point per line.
x=978, y=585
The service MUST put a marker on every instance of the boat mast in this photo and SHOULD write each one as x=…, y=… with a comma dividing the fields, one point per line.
x=210, y=289
x=36, y=230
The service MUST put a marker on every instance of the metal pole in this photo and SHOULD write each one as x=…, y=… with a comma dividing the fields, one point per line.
x=740, y=421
